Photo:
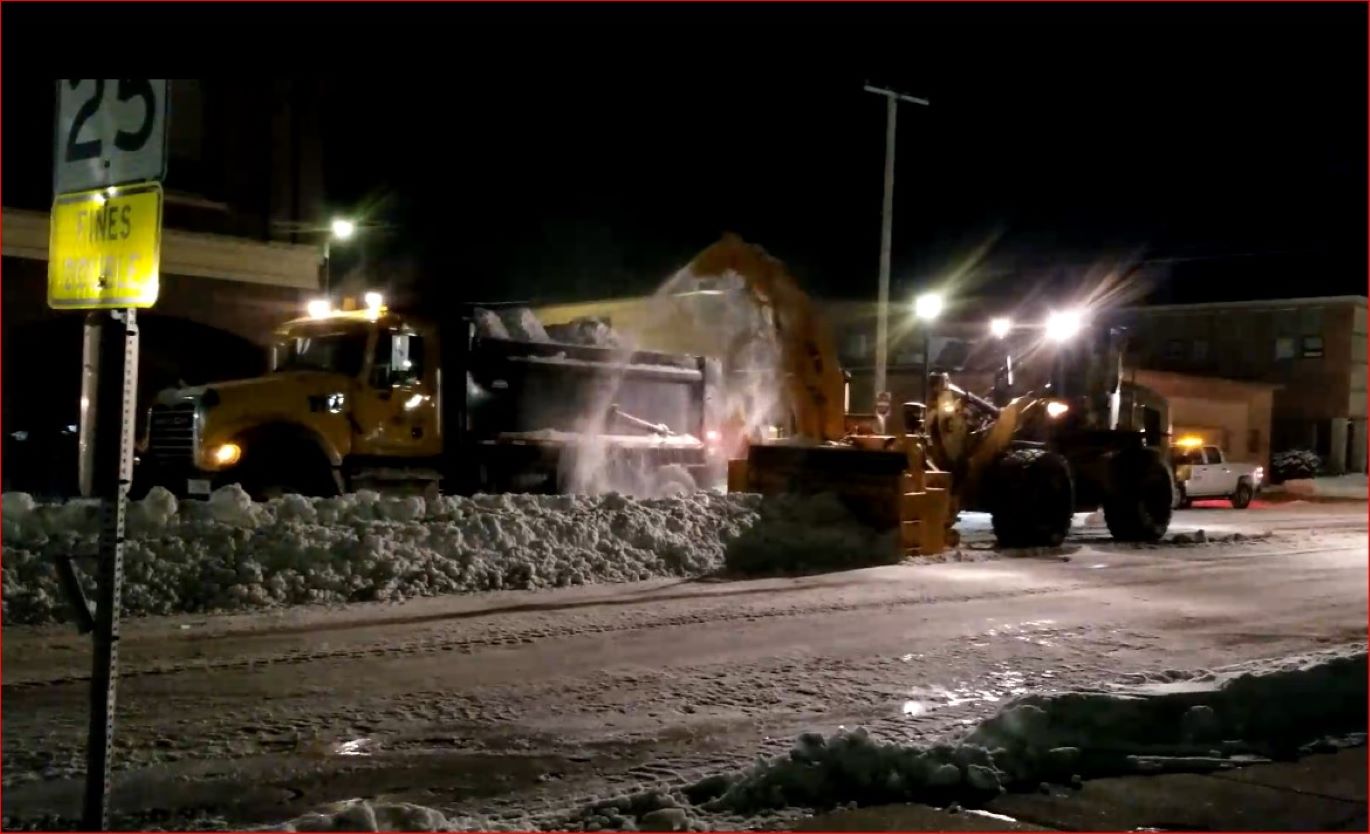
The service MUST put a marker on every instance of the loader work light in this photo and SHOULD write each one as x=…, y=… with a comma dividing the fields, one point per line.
x=1056, y=409
x=1062, y=325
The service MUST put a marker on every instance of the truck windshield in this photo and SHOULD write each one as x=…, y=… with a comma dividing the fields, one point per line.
x=340, y=353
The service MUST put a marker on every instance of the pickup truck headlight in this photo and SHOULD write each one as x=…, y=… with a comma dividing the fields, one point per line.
x=1259, y=474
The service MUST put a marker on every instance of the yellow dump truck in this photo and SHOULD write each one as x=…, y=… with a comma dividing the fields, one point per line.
x=372, y=398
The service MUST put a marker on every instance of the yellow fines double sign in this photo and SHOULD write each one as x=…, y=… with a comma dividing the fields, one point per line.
x=105, y=247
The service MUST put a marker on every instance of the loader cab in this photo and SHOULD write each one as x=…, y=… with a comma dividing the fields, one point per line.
x=1087, y=376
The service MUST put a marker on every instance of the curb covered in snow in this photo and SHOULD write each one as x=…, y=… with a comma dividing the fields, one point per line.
x=1178, y=722
x=1174, y=721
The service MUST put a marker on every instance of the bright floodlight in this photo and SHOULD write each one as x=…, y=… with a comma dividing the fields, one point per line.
x=318, y=308
x=373, y=300
x=1000, y=327
x=1063, y=325
x=928, y=306
x=343, y=228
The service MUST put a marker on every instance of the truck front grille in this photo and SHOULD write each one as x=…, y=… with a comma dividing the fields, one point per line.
x=172, y=434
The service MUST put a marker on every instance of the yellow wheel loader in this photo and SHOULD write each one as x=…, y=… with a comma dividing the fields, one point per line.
x=1083, y=439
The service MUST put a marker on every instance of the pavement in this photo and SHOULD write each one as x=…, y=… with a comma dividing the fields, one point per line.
x=519, y=705
x=1325, y=792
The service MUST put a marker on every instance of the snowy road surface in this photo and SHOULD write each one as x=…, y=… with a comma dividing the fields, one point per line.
x=525, y=705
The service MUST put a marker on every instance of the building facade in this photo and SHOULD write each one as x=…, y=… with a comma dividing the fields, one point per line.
x=244, y=177
x=1313, y=350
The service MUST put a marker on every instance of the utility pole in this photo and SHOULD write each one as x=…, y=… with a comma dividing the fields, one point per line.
x=882, y=314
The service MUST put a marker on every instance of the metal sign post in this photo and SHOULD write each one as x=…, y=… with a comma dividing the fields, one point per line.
x=104, y=254
x=116, y=396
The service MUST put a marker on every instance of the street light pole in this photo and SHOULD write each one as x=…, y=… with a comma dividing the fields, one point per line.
x=892, y=100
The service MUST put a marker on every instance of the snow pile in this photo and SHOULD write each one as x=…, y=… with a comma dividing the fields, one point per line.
x=229, y=553
x=523, y=325
x=361, y=815
x=591, y=331
x=1295, y=463
x=489, y=325
x=1173, y=721
x=1353, y=485
x=796, y=533
x=1186, y=722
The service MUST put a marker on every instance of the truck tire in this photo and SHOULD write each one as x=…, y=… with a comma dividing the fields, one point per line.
x=271, y=471
x=1138, y=503
x=1241, y=499
x=1032, y=498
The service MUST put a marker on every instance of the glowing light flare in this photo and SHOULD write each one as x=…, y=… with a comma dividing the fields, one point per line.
x=373, y=300
x=342, y=228
x=1064, y=325
x=318, y=308
x=1056, y=409
x=1000, y=327
x=928, y=306
x=1190, y=441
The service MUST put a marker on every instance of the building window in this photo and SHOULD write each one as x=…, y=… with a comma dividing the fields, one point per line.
x=1312, y=346
x=1200, y=352
x=1284, y=347
x=1175, y=349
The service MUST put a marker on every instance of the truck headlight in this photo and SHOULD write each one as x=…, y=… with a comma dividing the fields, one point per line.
x=227, y=454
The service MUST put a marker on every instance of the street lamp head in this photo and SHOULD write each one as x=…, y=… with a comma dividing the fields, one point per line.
x=1063, y=325
x=342, y=228
x=928, y=306
x=1000, y=327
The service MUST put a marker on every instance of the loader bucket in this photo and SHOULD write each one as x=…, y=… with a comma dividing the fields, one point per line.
x=868, y=482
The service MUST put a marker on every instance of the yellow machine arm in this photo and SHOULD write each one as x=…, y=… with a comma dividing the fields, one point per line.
x=813, y=379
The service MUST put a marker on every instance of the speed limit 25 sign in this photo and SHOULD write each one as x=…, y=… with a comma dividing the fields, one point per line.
x=110, y=131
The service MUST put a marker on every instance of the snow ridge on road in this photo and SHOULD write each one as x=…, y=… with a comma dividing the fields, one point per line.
x=1174, y=721
x=230, y=554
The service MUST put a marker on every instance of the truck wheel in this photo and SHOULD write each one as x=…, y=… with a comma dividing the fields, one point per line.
x=1138, y=504
x=1032, y=498
x=274, y=472
x=1241, y=499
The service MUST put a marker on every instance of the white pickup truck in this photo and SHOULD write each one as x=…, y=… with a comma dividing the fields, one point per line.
x=1201, y=472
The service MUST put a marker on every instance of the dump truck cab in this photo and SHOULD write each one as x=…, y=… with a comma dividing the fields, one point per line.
x=343, y=387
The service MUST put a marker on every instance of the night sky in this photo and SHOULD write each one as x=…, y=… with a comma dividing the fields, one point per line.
x=550, y=153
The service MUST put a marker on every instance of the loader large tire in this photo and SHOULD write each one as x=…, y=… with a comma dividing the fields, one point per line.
x=1031, y=498
x=1140, y=497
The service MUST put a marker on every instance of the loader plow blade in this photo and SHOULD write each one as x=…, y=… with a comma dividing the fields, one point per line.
x=867, y=482
x=875, y=485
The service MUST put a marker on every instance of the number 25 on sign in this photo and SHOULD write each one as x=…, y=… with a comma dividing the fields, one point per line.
x=104, y=249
